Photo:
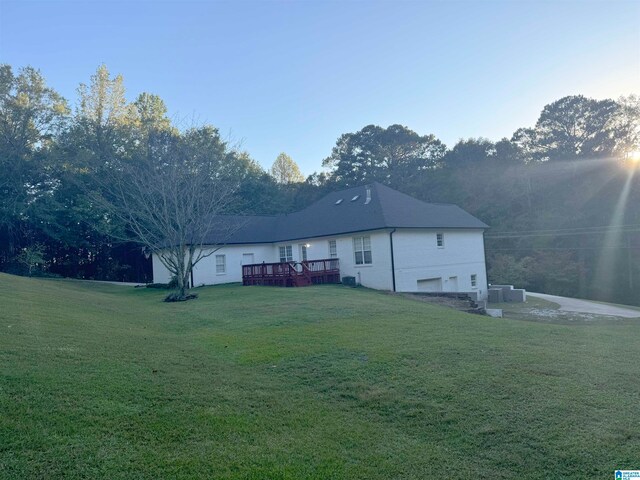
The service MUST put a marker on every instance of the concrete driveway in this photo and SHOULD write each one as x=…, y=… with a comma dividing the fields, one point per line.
x=586, y=306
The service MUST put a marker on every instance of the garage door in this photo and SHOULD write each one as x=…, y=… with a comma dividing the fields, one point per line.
x=430, y=285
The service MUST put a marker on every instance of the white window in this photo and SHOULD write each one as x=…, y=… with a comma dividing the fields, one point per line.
x=440, y=240
x=303, y=252
x=362, y=250
x=474, y=281
x=286, y=253
x=333, y=249
x=221, y=264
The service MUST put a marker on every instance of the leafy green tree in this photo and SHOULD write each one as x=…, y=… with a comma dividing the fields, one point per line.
x=576, y=127
x=101, y=116
x=31, y=257
x=150, y=113
x=102, y=102
x=147, y=119
x=507, y=152
x=31, y=114
x=626, y=125
x=470, y=151
x=394, y=155
x=285, y=171
x=105, y=132
x=505, y=269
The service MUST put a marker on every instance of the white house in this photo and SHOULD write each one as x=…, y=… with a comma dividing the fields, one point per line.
x=385, y=239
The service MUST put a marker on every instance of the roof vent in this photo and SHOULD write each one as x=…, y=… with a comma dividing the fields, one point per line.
x=355, y=198
x=368, y=199
x=338, y=202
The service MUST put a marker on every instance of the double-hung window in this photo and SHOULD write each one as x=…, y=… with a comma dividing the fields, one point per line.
x=221, y=264
x=286, y=253
x=474, y=281
x=333, y=249
x=362, y=250
x=440, y=240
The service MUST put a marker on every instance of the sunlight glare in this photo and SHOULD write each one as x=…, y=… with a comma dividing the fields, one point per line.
x=609, y=256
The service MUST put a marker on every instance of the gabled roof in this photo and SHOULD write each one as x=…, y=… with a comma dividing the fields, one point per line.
x=347, y=211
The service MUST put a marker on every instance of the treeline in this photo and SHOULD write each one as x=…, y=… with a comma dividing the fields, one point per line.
x=54, y=161
x=561, y=197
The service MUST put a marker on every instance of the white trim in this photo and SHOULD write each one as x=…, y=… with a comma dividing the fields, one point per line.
x=359, y=247
x=221, y=268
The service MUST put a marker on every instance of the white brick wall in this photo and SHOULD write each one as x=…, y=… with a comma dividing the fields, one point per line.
x=416, y=256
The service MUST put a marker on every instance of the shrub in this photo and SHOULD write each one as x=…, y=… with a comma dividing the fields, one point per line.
x=31, y=258
x=45, y=274
x=176, y=297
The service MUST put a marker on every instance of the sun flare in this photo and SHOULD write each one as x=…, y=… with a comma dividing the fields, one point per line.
x=634, y=156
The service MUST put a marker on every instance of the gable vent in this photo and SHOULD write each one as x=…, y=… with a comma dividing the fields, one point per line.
x=368, y=199
x=339, y=201
x=355, y=198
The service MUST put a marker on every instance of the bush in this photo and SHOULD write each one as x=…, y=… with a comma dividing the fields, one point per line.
x=172, y=285
x=32, y=258
x=176, y=297
x=45, y=274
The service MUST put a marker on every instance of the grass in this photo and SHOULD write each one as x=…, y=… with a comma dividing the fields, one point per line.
x=101, y=381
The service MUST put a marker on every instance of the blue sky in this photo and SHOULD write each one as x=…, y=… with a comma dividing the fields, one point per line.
x=293, y=75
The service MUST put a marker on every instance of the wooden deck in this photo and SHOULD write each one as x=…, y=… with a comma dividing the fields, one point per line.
x=292, y=274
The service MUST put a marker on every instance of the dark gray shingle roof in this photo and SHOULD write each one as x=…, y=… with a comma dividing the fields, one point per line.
x=388, y=208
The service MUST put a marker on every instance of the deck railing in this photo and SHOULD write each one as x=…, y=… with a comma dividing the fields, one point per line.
x=292, y=274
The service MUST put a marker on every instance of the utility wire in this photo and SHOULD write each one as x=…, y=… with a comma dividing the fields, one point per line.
x=616, y=247
x=566, y=232
x=537, y=230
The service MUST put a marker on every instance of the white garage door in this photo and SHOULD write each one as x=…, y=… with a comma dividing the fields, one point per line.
x=430, y=285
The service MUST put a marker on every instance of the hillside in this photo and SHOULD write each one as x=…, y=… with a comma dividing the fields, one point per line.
x=102, y=381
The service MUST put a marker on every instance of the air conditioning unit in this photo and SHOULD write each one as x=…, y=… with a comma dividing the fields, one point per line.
x=350, y=281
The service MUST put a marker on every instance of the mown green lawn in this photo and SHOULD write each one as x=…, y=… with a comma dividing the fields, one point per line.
x=101, y=381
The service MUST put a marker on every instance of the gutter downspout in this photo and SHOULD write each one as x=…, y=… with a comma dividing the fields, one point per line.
x=486, y=272
x=393, y=267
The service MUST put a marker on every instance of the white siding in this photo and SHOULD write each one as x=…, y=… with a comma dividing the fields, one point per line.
x=376, y=275
x=420, y=262
x=160, y=273
x=204, y=273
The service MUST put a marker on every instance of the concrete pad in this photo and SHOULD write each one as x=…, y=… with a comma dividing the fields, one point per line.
x=586, y=306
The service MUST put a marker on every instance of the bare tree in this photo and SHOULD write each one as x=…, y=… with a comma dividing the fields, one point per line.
x=170, y=200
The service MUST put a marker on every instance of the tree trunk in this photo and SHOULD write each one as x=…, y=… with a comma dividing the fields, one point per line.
x=185, y=283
